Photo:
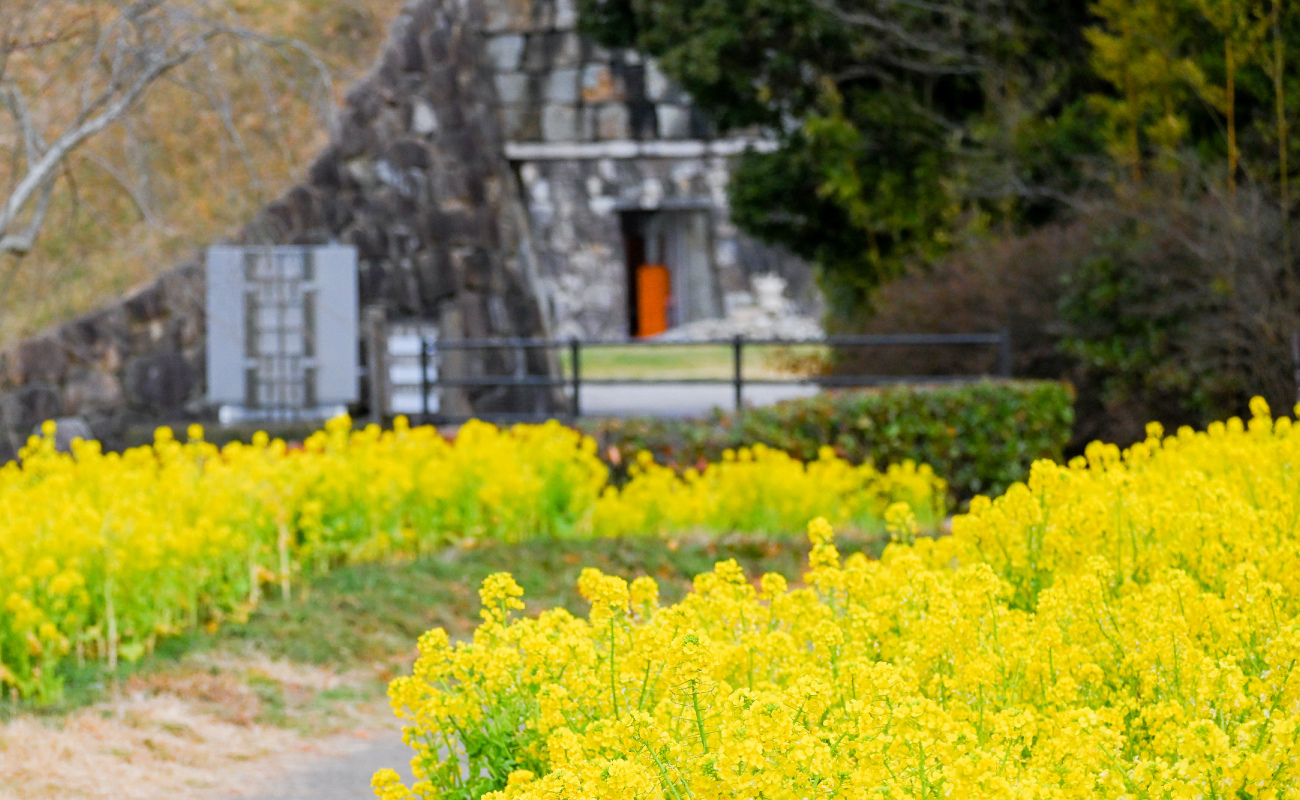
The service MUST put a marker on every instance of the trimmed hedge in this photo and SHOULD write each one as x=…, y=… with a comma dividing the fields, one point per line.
x=980, y=437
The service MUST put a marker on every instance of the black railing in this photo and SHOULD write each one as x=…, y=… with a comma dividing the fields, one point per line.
x=575, y=380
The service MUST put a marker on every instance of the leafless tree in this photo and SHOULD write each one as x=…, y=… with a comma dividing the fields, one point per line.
x=70, y=69
x=926, y=37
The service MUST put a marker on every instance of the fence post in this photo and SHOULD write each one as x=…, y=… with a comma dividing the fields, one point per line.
x=575, y=356
x=376, y=367
x=1295, y=361
x=1004, y=353
x=738, y=365
x=424, y=377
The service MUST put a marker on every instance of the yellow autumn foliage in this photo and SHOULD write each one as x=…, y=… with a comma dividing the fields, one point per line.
x=1125, y=626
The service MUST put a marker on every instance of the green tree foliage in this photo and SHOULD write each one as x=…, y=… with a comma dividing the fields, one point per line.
x=1136, y=50
x=901, y=122
x=904, y=123
x=1188, y=299
x=1190, y=74
x=1153, y=135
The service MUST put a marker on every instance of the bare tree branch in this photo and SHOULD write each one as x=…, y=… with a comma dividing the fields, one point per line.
x=892, y=29
x=138, y=198
x=931, y=34
x=21, y=243
x=13, y=100
x=113, y=52
x=38, y=173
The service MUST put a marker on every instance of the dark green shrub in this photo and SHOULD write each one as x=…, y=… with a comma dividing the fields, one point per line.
x=980, y=437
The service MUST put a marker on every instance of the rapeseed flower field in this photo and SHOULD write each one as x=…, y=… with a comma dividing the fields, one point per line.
x=1123, y=626
x=104, y=554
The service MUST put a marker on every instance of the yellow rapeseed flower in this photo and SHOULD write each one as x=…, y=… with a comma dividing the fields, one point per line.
x=1125, y=626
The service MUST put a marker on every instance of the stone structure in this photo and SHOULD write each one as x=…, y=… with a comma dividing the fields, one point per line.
x=618, y=169
x=416, y=178
x=499, y=175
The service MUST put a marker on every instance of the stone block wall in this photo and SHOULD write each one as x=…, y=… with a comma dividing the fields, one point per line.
x=594, y=134
x=576, y=205
x=416, y=178
x=555, y=86
x=140, y=358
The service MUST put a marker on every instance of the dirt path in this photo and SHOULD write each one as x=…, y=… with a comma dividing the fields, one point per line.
x=203, y=732
x=344, y=776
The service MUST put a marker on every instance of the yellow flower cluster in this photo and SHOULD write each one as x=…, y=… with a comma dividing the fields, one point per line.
x=759, y=489
x=101, y=554
x=1125, y=626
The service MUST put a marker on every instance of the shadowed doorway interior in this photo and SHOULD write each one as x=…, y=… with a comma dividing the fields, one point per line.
x=671, y=278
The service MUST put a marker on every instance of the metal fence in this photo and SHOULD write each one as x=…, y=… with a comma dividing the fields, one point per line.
x=431, y=379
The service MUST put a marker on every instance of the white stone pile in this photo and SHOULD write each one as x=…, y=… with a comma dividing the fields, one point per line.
x=766, y=313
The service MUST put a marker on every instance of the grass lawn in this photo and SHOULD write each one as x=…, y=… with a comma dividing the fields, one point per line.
x=370, y=613
x=694, y=361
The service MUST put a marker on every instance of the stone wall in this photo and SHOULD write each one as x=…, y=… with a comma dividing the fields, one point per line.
x=140, y=358
x=595, y=134
x=555, y=86
x=576, y=207
x=415, y=177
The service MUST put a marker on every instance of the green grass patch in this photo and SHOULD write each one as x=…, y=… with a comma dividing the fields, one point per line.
x=371, y=614
x=675, y=362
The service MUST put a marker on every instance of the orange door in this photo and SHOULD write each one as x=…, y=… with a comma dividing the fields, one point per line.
x=651, y=299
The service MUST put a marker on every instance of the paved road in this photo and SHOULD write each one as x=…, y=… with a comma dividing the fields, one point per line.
x=342, y=778
x=679, y=399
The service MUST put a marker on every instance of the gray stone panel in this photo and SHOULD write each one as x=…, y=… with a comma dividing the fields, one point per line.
x=674, y=121
x=506, y=51
x=613, y=122
x=566, y=50
x=224, y=311
x=562, y=86
x=336, y=327
x=657, y=87
x=566, y=14
x=503, y=16
x=512, y=88
x=559, y=123
x=424, y=119
x=516, y=121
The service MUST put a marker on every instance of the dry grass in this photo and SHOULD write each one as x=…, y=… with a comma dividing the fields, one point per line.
x=146, y=194
x=214, y=727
